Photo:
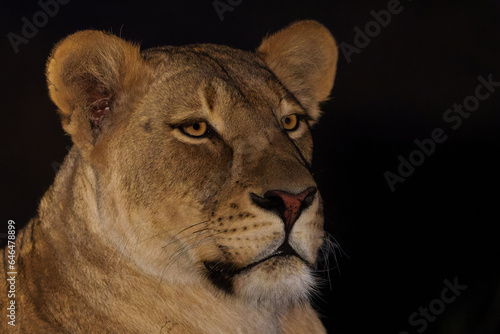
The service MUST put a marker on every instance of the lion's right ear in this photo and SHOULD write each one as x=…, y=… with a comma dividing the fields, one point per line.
x=94, y=78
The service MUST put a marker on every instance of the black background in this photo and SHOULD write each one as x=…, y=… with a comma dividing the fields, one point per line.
x=400, y=246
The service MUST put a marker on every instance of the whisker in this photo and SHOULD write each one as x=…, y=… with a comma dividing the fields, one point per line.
x=180, y=251
x=179, y=238
x=186, y=245
x=123, y=244
x=173, y=229
x=329, y=248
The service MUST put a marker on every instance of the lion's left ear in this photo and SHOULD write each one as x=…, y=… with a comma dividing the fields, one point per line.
x=304, y=57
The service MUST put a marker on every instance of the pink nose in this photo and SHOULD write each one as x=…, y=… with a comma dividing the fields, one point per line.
x=287, y=205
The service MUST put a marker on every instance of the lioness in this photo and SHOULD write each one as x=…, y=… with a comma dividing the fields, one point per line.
x=186, y=204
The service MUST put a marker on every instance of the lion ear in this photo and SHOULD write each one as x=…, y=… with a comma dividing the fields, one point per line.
x=91, y=75
x=304, y=57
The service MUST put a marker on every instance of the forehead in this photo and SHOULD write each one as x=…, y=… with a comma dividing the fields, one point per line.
x=216, y=83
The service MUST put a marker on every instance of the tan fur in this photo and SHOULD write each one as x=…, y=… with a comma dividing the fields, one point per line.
x=123, y=236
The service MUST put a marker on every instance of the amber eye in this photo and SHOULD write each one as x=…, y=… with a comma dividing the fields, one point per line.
x=290, y=122
x=197, y=129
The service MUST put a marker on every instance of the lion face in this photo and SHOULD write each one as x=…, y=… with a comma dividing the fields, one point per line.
x=202, y=159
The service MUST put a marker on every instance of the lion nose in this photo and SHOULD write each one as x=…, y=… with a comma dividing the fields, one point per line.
x=287, y=205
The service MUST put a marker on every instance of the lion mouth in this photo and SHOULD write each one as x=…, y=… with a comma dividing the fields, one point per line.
x=284, y=250
x=222, y=273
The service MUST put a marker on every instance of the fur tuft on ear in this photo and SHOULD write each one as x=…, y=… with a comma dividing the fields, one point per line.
x=304, y=57
x=89, y=75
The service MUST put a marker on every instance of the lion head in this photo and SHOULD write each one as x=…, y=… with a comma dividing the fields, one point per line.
x=198, y=157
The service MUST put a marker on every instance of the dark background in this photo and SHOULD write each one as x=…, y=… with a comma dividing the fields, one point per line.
x=400, y=246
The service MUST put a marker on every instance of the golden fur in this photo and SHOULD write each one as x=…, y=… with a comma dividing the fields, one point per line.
x=148, y=230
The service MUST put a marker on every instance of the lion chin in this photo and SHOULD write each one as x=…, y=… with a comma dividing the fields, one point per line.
x=282, y=279
x=280, y=282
